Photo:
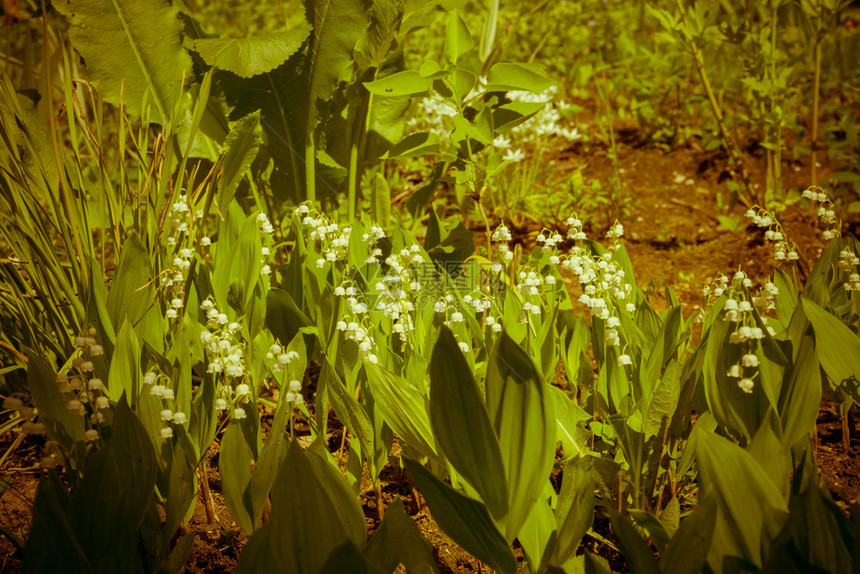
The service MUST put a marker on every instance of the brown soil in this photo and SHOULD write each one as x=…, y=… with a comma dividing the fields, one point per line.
x=674, y=239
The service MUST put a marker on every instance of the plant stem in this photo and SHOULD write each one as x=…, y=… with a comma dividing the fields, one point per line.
x=816, y=87
x=731, y=146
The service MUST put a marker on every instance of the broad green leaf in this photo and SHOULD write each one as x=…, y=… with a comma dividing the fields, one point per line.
x=234, y=464
x=838, y=347
x=125, y=365
x=462, y=425
x=817, y=537
x=119, y=481
x=423, y=143
x=801, y=395
x=63, y=425
x=51, y=542
x=508, y=76
x=465, y=520
x=405, y=408
x=271, y=456
x=406, y=83
x=639, y=557
x=346, y=505
x=305, y=526
x=283, y=317
x=348, y=409
x=252, y=56
x=574, y=512
x=133, y=48
x=568, y=415
x=239, y=269
x=688, y=549
x=665, y=400
x=380, y=200
x=521, y=412
x=510, y=115
x=242, y=144
x=538, y=532
x=752, y=510
x=131, y=292
x=337, y=27
x=398, y=541
x=458, y=40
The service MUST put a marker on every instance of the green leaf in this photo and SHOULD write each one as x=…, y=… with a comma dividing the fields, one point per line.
x=119, y=481
x=574, y=512
x=688, y=549
x=752, y=510
x=337, y=27
x=399, y=541
x=270, y=458
x=568, y=415
x=133, y=48
x=242, y=144
x=252, y=56
x=234, y=464
x=406, y=83
x=521, y=413
x=124, y=374
x=347, y=408
x=404, y=406
x=639, y=557
x=305, y=526
x=838, y=347
x=509, y=76
x=458, y=40
x=423, y=143
x=465, y=520
x=462, y=425
x=380, y=200
x=63, y=425
x=283, y=317
x=131, y=292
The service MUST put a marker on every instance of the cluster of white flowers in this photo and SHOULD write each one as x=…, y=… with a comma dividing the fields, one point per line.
x=503, y=235
x=86, y=391
x=738, y=309
x=222, y=339
x=783, y=251
x=605, y=288
x=826, y=212
x=13, y=403
x=266, y=230
x=848, y=262
x=548, y=122
x=352, y=331
x=181, y=217
x=398, y=289
x=765, y=299
x=332, y=238
x=160, y=386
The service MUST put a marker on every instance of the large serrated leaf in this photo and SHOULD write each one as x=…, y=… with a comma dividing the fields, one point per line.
x=133, y=48
x=247, y=57
x=462, y=425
